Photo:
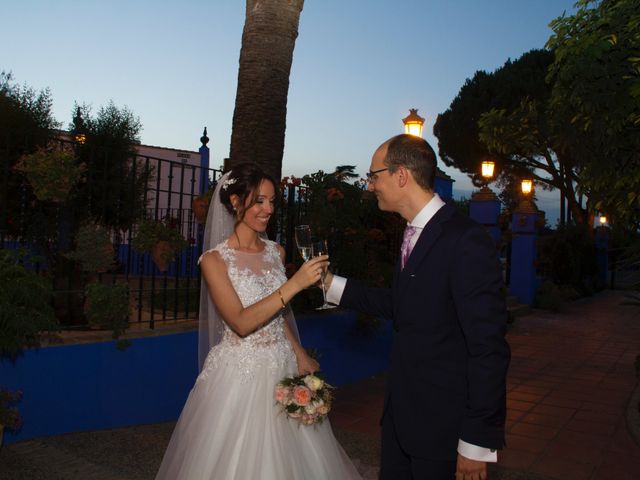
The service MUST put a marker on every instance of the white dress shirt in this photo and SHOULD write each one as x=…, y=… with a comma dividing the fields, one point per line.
x=334, y=294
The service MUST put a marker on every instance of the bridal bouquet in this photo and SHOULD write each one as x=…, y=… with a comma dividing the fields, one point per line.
x=305, y=398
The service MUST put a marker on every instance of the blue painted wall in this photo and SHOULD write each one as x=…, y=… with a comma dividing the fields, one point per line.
x=96, y=386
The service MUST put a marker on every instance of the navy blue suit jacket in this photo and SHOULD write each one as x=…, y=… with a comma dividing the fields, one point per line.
x=449, y=359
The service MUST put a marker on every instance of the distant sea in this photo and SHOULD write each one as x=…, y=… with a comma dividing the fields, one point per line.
x=548, y=202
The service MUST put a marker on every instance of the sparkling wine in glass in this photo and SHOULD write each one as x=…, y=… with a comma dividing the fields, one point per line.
x=320, y=248
x=303, y=241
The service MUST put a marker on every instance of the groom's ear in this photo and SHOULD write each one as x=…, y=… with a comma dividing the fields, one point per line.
x=403, y=175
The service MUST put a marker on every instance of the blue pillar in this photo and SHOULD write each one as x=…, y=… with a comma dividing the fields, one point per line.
x=484, y=208
x=443, y=185
x=602, y=253
x=204, y=162
x=524, y=230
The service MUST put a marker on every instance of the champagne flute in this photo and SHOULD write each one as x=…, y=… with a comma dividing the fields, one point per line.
x=303, y=241
x=319, y=248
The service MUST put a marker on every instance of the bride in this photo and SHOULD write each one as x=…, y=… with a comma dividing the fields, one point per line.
x=230, y=427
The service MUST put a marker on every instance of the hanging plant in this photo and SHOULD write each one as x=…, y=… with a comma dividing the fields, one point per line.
x=93, y=248
x=161, y=238
x=52, y=173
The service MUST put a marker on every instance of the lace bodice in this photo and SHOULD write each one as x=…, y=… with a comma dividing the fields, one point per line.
x=253, y=276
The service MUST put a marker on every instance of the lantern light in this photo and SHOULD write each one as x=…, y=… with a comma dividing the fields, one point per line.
x=488, y=167
x=603, y=220
x=527, y=186
x=413, y=123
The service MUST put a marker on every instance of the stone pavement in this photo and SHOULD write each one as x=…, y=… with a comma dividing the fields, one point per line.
x=570, y=383
x=569, y=386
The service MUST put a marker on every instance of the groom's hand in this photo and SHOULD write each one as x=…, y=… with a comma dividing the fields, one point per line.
x=467, y=469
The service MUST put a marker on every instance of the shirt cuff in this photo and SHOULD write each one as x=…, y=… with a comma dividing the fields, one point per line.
x=474, y=452
x=334, y=294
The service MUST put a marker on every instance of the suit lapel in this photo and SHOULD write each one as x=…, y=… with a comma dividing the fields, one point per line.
x=428, y=237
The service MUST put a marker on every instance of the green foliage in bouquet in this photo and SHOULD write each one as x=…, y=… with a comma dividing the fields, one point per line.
x=25, y=306
x=108, y=307
x=304, y=398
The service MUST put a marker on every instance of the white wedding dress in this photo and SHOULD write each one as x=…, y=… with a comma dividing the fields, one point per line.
x=231, y=427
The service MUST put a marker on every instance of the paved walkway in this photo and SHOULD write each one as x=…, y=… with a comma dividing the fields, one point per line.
x=570, y=381
x=569, y=387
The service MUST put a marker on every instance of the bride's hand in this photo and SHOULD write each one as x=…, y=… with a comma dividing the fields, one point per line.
x=306, y=364
x=310, y=271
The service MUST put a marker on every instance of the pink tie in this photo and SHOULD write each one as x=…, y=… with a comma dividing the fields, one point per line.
x=405, y=249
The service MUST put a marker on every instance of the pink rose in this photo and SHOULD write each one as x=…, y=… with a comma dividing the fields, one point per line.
x=302, y=395
x=323, y=409
x=308, y=419
x=281, y=394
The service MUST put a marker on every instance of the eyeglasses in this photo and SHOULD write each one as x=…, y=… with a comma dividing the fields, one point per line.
x=373, y=176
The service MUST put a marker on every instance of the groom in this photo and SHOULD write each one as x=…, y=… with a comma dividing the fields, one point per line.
x=444, y=410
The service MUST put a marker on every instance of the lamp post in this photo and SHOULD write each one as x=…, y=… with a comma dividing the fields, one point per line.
x=602, y=250
x=524, y=227
x=413, y=123
x=484, y=206
x=80, y=128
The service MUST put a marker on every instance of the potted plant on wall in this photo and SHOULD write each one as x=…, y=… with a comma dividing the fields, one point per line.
x=10, y=418
x=200, y=206
x=161, y=238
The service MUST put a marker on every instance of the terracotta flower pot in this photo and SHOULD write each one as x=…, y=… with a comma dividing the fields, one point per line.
x=162, y=255
x=199, y=207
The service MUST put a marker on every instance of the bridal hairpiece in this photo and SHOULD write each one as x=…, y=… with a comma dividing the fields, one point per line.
x=229, y=181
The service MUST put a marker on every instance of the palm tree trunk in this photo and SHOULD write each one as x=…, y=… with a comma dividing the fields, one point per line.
x=259, y=119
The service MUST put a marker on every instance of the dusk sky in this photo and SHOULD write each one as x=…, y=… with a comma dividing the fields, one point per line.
x=358, y=66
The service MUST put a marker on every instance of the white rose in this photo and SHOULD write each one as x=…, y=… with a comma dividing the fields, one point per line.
x=310, y=409
x=313, y=383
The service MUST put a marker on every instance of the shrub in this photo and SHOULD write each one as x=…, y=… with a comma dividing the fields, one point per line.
x=549, y=297
x=108, y=307
x=25, y=306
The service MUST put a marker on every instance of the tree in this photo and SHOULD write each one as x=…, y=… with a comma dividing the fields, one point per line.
x=596, y=101
x=504, y=116
x=26, y=124
x=113, y=193
x=259, y=119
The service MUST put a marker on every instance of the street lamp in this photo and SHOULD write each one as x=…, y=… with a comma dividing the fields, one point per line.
x=603, y=220
x=485, y=193
x=413, y=123
x=527, y=186
x=488, y=166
